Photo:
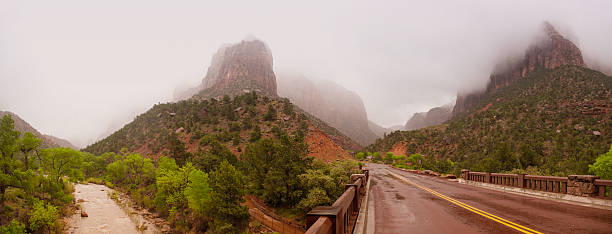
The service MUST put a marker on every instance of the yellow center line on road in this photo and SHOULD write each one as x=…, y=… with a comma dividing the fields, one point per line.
x=495, y=218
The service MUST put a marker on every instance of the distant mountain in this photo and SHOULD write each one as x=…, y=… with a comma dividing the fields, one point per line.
x=330, y=102
x=60, y=142
x=556, y=120
x=380, y=131
x=47, y=140
x=550, y=51
x=236, y=69
x=547, y=112
x=434, y=116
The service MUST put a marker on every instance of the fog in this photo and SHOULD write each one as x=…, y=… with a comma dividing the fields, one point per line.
x=81, y=69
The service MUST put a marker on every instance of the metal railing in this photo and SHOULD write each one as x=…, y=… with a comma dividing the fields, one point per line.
x=341, y=216
x=580, y=185
x=604, y=188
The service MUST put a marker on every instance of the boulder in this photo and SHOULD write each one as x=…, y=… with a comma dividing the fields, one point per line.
x=84, y=214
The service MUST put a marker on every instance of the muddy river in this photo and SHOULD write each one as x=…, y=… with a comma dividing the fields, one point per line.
x=104, y=215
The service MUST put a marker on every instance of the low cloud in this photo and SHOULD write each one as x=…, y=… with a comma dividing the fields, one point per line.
x=81, y=70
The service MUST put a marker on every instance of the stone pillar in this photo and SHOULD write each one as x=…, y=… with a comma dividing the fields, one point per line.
x=521, y=180
x=582, y=185
x=465, y=174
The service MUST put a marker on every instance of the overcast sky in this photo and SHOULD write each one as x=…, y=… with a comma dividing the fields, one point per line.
x=82, y=69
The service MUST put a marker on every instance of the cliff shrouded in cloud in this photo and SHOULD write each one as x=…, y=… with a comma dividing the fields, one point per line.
x=332, y=103
x=237, y=69
x=550, y=51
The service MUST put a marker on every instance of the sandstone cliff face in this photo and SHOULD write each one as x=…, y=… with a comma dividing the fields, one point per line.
x=432, y=117
x=236, y=69
x=551, y=51
x=337, y=106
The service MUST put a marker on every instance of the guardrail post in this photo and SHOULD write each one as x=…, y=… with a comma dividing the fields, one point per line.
x=332, y=212
x=521, y=180
x=487, y=177
x=465, y=174
x=356, y=201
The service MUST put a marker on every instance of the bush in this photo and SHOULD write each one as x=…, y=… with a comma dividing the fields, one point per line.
x=43, y=216
x=15, y=227
x=603, y=166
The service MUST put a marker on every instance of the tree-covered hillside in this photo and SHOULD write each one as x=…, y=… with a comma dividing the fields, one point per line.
x=193, y=126
x=550, y=122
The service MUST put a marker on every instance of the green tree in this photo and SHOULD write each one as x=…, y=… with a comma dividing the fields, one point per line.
x=271, y=114
x=177, y=150
x=8, y=165
x=226, y=197
x=138, y=169
x=325, y=182
x=255, y=134
x=360, y=156
x=171, y=184
x=59, y=162
x=27, y=144
x=8, y=137
x=414, y=159
x=603, y=166
x=388, y=158
x=198, y=191
x=273, y=167
x=376, y=157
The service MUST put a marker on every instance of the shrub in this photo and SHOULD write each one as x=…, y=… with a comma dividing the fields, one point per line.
x=43, y=216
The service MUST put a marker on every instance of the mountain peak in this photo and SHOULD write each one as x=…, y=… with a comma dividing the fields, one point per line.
x=551, y=52
x=550, y=29
x=236, y=69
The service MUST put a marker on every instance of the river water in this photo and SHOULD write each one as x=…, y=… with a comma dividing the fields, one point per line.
x=104, y=214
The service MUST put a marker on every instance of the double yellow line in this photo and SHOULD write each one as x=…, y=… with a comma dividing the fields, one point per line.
x=495, y=218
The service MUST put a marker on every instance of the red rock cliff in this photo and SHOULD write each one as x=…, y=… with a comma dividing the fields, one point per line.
x=552, y=51
x=235, y=69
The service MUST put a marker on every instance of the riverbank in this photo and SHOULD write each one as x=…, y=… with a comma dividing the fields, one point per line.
x=105, y=215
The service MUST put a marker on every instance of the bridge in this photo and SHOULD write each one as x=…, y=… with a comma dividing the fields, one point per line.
x=400, y=201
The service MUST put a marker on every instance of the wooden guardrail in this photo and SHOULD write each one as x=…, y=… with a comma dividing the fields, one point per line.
x=342, y=215
x=579, y=185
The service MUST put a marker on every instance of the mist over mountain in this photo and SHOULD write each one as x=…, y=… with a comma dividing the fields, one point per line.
x=236, y=69
x=332, y=103
x=434, y=116
x=549, y=50
x=545, y=111
x=405, y=57
x=47, y=140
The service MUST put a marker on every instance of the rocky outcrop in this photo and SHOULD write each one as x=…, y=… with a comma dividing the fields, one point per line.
x=47, y=140
x=432, y=117
x=330, y=102
x=236, y=69
x=550, y=51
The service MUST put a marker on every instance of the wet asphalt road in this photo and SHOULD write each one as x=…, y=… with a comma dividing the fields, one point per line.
x=400, y=207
